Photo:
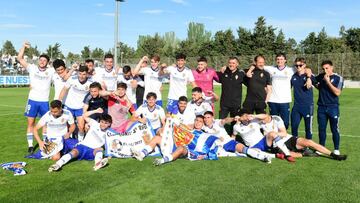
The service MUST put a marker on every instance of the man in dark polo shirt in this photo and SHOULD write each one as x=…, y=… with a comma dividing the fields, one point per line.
x=231, y=89
x=330, y=85
x=258, y=88
x=93, y=101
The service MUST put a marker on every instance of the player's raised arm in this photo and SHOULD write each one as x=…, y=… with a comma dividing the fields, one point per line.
x=20, y=56
x=87, y=115
x=63, y=92
x=137, y=68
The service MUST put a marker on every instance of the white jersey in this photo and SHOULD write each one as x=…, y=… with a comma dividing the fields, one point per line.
x=95, y=137
x=152, y=81
x=40, y=83
x=56, y=127
x=77, y=92
x=130, y=92
x=154, y=116
x=59, y=84
x=201, y=108
x=250, y=133
x=179, y=81
x=218, y=130
x=274, y=125
x=109, y=78
x=187, y=117
x=281, y=83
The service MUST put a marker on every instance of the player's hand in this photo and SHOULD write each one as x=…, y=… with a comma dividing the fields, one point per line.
x=327, y=78
x=142, y=120
x=308, y=72
x=308, y=83
x=66, y=136
x=99, y=110
x=75, y=66
x=222, y=69
x=26, y=44
x=42, y=145
x=145, y=59
x=249, y=74
x=237, y=118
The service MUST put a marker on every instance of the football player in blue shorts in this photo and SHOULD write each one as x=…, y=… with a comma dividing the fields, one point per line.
x=91, y=147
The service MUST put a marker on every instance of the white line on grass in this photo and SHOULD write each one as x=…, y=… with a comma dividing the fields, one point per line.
x=10, y=114
x=5, y=105
x=341, y=135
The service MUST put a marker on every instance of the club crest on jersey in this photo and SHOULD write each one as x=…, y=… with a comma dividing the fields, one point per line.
x=274, y=73
x=332, y=80
x=183, y=74
x=236, y=77
x=286, y=73
x=114, y=74
x=261, y=75
x=62, y=120
x=46, y=73
x=226, y=75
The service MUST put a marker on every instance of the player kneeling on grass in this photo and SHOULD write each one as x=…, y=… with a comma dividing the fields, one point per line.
x=274, y=125
x=91, y=147
x=56, y=122
x=181, y=151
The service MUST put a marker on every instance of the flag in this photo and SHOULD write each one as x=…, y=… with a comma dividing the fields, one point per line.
x=136, y=136
x=16, y=167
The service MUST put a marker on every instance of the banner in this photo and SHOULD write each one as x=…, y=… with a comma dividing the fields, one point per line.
x=137, y=136
x=176, y=134
x=14, y=80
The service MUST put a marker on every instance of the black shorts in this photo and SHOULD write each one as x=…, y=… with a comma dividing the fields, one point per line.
x=291, y=144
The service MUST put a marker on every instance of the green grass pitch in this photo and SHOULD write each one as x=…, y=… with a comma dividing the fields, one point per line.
x=225, y=180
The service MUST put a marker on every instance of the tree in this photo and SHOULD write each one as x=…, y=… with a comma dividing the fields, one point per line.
x=352, y=38
x=148, y=45
x=71, y=57
x=8, y=48
x=263, y=37
x=54, y=51
x=225, y=43
x=171, y=43
x=244, y=42
x=197, y=33
x=86, y=52
x=280, y=43
x=97, y=53
x=32, y=51
x=308, y=45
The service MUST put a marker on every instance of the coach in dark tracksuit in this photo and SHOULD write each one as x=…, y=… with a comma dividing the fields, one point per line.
x=231, y=89
x=330, y=85
x=258, y=88
x=303, y=99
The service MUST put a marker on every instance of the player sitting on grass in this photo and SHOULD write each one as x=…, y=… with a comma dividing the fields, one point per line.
x=91, y=147
x=56, y=121
x=248, y=127
x=151, y=111
x=274, y=125
x=216, y=127
x=181, y=151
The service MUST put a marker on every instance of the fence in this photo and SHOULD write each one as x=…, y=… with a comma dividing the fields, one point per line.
x=346, y=64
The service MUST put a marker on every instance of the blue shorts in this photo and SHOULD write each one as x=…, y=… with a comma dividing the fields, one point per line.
x=85, y=153
x=172, y=106
x=262, y=145
x=75, y=112
x=230, y=146
x=35, y=108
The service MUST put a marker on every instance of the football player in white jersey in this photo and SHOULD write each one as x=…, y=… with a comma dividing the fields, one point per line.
x=180, y=76
x=76, y=89
x=274, y=125
x=40, y=83
x=153, y=112
x=56, y=122
x=198, y=104
x=249, y=128
x=107, y=76
x=60, y=77
x=185, y=115
x=216, y=127
x=132, y=83
x=91, y=147
x=152, y=78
